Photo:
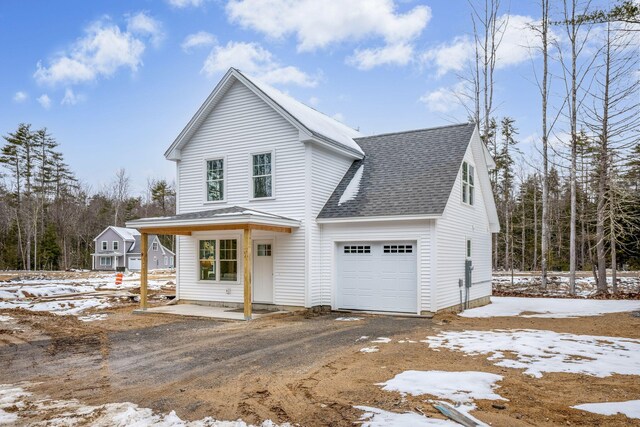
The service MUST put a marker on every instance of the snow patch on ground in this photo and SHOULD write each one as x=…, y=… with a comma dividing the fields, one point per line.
x=60, y=307
x=464, y=386
x=630, y=408
x=369, y=349
x=374, y=417
x=5, y=318
x=558, y=284
x=383, y=340
x=550, y=307
x=26, y=407
x=351, y=192
x=93, y=317
x=538, y=351
x=348, y=319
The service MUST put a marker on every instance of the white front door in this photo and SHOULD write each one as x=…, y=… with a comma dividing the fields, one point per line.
x=262, y=271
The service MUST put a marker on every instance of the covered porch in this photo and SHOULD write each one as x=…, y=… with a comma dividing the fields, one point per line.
x=232, y=219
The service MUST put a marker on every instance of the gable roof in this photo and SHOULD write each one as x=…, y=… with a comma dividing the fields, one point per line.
x=315, y=125
x=125, y=233
x=402, y=174
x=136, y=248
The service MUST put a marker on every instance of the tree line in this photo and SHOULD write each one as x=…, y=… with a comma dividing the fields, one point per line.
x=574, y=203
x=48, y=217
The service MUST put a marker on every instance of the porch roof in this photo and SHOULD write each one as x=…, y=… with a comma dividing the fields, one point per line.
x=231, y=218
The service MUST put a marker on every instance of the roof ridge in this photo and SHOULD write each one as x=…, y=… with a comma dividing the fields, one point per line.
x=414, y=130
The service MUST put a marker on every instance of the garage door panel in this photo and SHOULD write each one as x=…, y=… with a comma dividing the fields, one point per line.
x=377, y=276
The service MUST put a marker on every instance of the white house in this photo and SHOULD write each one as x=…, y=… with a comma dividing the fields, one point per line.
x=278, y=204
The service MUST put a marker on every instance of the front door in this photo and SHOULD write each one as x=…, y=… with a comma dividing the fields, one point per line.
x=262, y=271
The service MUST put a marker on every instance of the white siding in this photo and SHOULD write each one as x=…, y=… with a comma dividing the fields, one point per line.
x=459, y=222
x=420, y=231
x=327, y=169
x=241, y=124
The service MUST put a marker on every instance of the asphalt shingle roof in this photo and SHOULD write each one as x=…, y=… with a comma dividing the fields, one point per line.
x=405, y=173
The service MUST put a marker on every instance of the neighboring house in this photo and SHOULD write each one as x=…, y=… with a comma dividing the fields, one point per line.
x=120, y=247
x=382, y=223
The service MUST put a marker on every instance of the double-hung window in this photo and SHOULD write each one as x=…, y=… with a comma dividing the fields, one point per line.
x=218, y=260
x=262, y=175
x=105, y=261
x=207, y=259
x=105, y=245
x=215, y=180
x=154, y=246
x=467, y=183
x=114, y=245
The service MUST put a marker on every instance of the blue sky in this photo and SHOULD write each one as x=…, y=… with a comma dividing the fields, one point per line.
x=116, y=81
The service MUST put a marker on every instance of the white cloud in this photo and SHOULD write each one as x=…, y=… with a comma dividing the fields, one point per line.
x=445, y=99
x=317, y=25
x=199, y=39
x=103, y=50
x=143, y=24
x=518, y=44
x=452, y=56
x=20, y=97
x=314, y=101
x=366, y=59
x=45, y=101
x=71, y=98
x=185, y=3
x=257, y=61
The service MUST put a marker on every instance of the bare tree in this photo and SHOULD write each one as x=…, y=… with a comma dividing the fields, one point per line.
x=119, y=193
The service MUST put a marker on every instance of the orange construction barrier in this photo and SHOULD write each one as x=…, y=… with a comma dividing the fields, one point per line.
x=118, y=278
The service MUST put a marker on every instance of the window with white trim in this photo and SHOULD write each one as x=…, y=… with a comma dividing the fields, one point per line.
x=154, y=246
x=105, y=245
x=207, y=259
x=114, y=245
x=215, y=180
x=468, y=183
x=262, y=177
x=263, y=249
x=105, y=261
x=218, y=255
x=229, y=260
x=166, y=260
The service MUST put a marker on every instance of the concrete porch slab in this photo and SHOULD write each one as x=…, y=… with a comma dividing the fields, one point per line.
x=219, y=313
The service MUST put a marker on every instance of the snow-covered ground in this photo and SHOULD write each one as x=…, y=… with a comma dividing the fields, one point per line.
x=558, y=284
x=464, y=386
x=375, y=417
x=538, y=351
x=72, y=296
x=630, y=408
x=20, y=407
x=551, y=307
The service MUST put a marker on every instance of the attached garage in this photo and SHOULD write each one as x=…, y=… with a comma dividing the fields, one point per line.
x=135, y=263
x=377, y=276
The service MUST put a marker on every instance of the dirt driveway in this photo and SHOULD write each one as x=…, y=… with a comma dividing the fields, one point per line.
x=265, y=369
x=304, y=369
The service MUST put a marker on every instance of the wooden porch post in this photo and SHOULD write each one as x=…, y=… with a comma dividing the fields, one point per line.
x=246, y=249
x=144, y=243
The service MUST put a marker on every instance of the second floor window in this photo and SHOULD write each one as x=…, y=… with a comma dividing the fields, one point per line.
x=215, y=180
x=467, y=183
x=262, y=175
x=104, y=245
x=115, y=245
x=154, y=246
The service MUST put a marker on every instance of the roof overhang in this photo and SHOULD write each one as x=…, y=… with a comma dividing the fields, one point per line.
x=233, y=75
x=233, y=221
x=377, y=218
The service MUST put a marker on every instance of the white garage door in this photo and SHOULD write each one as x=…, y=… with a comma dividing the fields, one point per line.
x=134, y=263
x=377, y=276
